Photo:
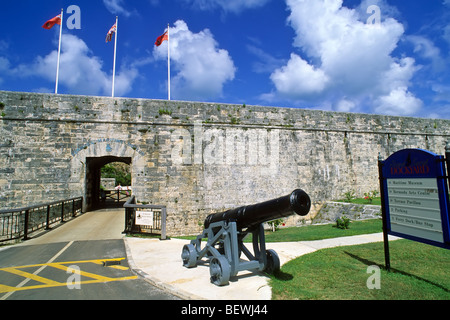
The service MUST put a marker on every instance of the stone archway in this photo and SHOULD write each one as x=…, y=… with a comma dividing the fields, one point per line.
x=88, y=160
x=93, y=176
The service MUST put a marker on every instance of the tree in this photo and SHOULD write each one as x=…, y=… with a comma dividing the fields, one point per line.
x=118, y=170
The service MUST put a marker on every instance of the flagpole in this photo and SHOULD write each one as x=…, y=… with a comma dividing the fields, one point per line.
x=115, y=55
x=59, y=52
x=168, y=56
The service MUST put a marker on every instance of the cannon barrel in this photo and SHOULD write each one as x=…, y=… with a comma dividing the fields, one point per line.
x=298, y=202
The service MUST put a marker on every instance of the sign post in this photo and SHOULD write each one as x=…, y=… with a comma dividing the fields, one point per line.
x=447, y=157
x=414, y=198
x=387, y=259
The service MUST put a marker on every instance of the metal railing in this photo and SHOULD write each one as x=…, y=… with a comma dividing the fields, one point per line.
x=19, y=223
x=116, y=195
x=145, y=219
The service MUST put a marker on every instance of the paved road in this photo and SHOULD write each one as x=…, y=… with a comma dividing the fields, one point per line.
x=84, y=259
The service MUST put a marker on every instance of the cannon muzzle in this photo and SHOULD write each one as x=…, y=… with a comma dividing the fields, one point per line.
x=249, y=217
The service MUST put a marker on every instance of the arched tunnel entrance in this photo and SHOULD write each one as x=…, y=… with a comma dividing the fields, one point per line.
x=93, y=178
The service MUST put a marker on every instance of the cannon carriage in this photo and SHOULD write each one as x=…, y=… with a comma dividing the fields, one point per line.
x=225, y=233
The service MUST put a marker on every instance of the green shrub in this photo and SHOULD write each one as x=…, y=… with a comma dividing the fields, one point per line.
x=343, y=223
x=349, y=196
x=165, y=111
x=274, y=224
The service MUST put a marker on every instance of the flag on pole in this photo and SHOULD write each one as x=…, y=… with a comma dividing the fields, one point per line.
x=50, y=23
x=162, y=38
x=166, y=37
x=158, y=42
x=109, y=36
x=111, y=32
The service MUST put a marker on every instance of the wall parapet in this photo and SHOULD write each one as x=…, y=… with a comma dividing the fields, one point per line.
x=104, y=110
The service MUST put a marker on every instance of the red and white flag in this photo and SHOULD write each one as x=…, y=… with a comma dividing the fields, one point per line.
x=50, y=23
x=161, y=39
x=111, y=32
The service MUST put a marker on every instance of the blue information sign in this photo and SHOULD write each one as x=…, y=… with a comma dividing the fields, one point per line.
x=415, y=197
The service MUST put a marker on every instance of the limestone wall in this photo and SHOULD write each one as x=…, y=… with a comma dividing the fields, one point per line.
x=331, y=211
x=196, y=158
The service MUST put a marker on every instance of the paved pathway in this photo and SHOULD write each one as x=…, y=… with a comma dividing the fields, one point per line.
x=160, y=262
x=93, y=245
x=96, y=225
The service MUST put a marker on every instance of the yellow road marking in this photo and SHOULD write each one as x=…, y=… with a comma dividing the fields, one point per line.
x=119, y=267
x=30, y=276
x=99, y=261
x=4, y=288
x=82, y=273
x=24, y=282
x=48, y=283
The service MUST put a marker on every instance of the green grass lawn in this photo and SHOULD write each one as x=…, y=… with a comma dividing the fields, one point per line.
x=375, y=201
x=326, y=231
x=317, y=232
x=418, y=271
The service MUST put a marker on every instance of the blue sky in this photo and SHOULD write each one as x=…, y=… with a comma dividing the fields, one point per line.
x=318, y=54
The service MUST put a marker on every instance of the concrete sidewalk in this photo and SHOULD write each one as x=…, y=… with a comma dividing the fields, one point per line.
x=160, y=263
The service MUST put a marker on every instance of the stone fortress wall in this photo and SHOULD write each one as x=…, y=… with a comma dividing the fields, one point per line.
x=195, y=158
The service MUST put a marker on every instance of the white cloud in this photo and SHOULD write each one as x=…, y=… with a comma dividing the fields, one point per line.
x=345, y=106
x=349, y=60
x=427, y=50
x=398, y=102
x=446, y=33
x=298, y=79
x=4, y=62
x=234, y=6
x=4, y=67
x=397, y=75
x=201, y=67
x=266, y=63
x=3, y=45
x=80, y=71
x=441, y=92
x=116, y=7
x=386, y=10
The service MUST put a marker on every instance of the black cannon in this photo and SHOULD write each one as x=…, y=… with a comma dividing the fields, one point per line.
x=226, y=231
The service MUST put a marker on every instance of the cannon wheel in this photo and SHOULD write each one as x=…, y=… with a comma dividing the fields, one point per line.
x=189, y=256
x=220, y=271
x=273, y=262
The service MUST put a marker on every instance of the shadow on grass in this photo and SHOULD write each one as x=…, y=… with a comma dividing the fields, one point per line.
x=282, y=276
x=371, y=263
